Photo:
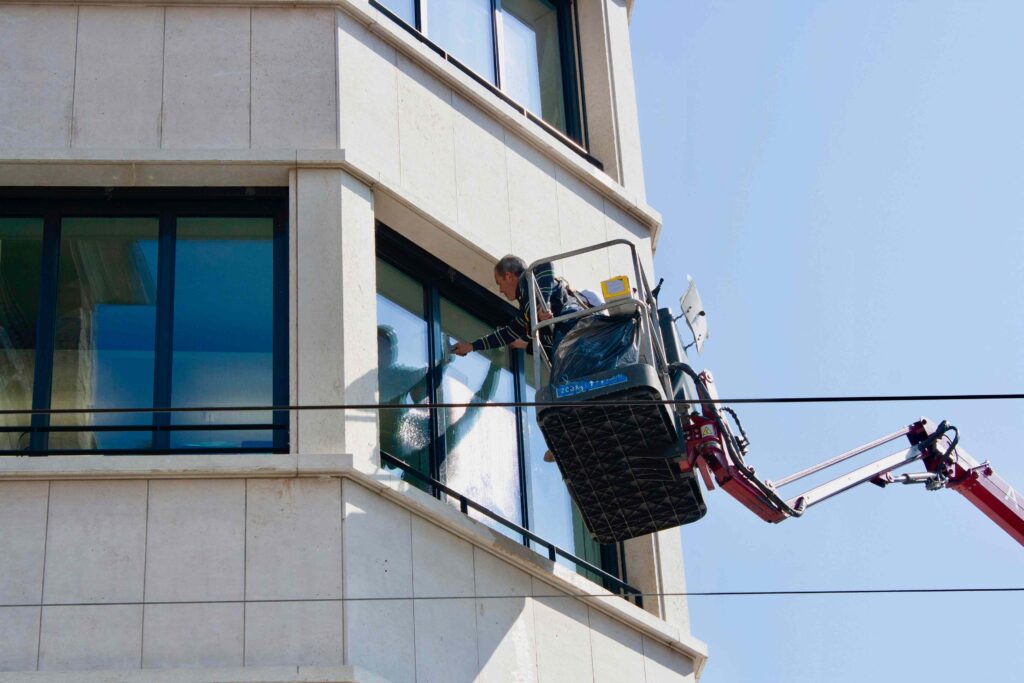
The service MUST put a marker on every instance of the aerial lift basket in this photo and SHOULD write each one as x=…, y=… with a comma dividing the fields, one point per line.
x=614, y=439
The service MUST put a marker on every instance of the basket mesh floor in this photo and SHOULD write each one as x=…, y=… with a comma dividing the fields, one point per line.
x=604, y=454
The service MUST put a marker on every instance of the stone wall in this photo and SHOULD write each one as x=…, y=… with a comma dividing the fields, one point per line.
x=319, y=569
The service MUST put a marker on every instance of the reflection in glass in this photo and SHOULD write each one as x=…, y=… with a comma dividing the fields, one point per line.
x=553, y=515
x=404, y=9
x=223, y=329
x=482, y=456
x=402, y=361
x=531, y=58
x=464, y=29
x=105, y=329
x=21, y=248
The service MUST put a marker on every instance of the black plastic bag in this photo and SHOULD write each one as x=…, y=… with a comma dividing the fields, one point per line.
x=596, y=344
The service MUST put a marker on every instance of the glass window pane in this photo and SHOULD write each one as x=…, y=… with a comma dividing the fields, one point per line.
x=402, y=362
x=482, y=459
x=223, y=329
x=465, y=30
x=405, y=9
x=532, y=59
x=21, y=249
x=105, y=329
x=553, y=515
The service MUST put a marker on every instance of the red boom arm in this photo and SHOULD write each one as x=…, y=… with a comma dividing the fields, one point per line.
x=718, y=456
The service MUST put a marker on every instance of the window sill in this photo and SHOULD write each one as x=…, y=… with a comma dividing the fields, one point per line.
x=63, y=467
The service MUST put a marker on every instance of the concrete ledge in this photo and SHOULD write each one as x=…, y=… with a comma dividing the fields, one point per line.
x=276, y=674
x=65, y=467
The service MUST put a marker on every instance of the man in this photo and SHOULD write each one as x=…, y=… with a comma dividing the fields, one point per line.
x=556, y=293
x=559, y=298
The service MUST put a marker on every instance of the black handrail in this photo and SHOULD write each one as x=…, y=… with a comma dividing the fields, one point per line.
x=466, y=503
x=26, y=430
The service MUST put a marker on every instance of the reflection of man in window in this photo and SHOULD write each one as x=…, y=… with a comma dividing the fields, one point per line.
x=557, y=297
x=405, y=433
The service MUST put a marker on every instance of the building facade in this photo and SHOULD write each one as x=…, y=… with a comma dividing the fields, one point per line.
x=295, y=208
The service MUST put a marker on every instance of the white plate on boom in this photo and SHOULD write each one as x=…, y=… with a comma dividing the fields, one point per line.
x=693, y=310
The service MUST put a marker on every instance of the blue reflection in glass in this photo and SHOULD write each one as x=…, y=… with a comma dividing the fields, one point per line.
x=223, y=329
x=464, y=29
x=125, y=337
x=105, y=330
x=402, y=361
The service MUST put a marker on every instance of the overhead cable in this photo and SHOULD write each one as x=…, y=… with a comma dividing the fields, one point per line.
x=522, y=404
x=584, y=596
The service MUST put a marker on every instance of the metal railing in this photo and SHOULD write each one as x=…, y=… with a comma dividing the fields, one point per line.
x=611, y=581
x=23, y=431
x=645, y=303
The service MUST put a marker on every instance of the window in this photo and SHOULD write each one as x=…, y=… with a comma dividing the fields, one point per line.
x=494, y=456
x=481, y=453
x=465, y=29
x=524, y=48
x=21, y=248
x=532, y=68
x=105, y=327
x=127, y=300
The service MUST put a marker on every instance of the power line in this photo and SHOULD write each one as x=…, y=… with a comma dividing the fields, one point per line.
x=524, y=404
x=554, y=596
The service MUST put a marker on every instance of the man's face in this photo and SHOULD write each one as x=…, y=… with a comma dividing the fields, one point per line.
x=507, y=284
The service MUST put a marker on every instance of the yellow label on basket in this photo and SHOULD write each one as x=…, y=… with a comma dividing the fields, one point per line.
x=615, y=287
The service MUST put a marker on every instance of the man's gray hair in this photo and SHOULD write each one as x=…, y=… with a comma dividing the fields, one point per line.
x=510, y=264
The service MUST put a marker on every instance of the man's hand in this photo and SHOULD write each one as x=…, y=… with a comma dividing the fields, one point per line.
x=519, y=344
x=462, y=348
x=544, y=314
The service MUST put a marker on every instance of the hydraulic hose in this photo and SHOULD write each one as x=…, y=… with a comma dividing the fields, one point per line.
x=734, y=450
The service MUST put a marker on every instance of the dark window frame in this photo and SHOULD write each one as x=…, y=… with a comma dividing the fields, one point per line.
x=166, y=205
x=438, y=279
x=577, y=136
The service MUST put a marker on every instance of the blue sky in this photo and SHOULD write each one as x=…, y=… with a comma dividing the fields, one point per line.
x=844, y=181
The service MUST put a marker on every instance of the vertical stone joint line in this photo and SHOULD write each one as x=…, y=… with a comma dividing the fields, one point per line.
x=337, y=82
x=245, y=559
x=74, y=79
x=145, y=560
x=42, y=583
x=412, y=591
x=250, y=77
x=476, y=611
x=163, y=79
x=344, y=583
